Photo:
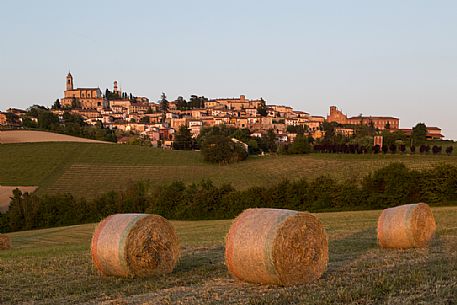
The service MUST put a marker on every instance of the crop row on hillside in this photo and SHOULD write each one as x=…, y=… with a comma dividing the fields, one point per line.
x=90, y=169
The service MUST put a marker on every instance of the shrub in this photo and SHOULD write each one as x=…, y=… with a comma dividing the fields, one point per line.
x=376, y=149
x=422, y=148
x=391, y=185
x=393, y=148
x=221, y=149
x=436, y=150
x=299, y=146
x=412, y=149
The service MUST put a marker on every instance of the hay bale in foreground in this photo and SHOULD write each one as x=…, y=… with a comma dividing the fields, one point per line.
x=406, y=226
x=274, y=246
x=5, y=242
x=134, y=245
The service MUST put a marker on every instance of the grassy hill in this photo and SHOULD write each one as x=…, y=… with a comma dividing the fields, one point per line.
x=87, y=169
x=53, y=266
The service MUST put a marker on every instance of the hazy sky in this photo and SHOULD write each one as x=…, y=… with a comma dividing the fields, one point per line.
x=396, y=58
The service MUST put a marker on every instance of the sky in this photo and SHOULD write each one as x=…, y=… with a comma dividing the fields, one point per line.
x=392, y=58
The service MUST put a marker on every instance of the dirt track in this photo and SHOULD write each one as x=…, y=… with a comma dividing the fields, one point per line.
x=29, y=136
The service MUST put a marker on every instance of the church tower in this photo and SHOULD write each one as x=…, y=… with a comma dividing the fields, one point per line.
x=115, y=89
x=69, y=82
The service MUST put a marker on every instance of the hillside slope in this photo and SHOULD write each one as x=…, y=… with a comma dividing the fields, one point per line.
x=33, y=136
x=87, y=169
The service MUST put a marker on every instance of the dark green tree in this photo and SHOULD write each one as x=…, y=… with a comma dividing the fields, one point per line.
x=46, y=119
x=393, y=148
x=299, y=146
x=329, y=129
x=270, y=139
x=299, y=129
x=197, y=102
x=181, y=103
x=163, y=103
x=389, y=138
x=262, y=109
x=144, y=120
x=183, y=139
x=56, y=104
x=419, y=134
x=221, y=149
x=75, y=103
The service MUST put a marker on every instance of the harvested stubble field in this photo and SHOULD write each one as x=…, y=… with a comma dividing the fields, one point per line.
x=53, y=266
x=32, y=136
x=84, y=169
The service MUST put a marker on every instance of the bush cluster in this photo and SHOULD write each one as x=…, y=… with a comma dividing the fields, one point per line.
x=376, y=149
x=223, y=145
x=392, y=185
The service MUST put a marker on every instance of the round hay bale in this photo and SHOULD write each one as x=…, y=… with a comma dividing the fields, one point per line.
x=134, y=245
x=274, y=246
x=406, y=226
x=5, y=242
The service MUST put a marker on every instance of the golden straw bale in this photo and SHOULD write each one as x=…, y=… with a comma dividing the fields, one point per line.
x=275, y=246
x=406, y=226
x=5, y=242
x=134, y=245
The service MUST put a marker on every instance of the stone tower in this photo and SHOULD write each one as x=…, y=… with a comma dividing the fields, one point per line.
x=115, y=89
x=69, y=82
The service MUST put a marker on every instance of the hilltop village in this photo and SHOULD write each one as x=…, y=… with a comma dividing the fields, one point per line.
x=159, y=121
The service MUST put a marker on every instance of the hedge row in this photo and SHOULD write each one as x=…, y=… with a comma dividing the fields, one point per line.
x=376, y=149
x=389, y=186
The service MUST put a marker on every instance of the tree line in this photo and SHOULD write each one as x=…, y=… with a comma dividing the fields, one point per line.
x=69, y=123
x=389, y=186
x=363, y=135
x=376, y=149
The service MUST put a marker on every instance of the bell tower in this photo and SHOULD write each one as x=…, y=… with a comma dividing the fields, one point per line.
x=69, y=82
x=115, y=89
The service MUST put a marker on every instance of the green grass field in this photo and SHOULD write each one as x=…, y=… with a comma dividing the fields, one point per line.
x=53, y=266
x=84, y=169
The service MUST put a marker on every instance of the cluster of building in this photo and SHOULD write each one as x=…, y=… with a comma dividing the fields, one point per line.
x=378, y=122
x=139, y=115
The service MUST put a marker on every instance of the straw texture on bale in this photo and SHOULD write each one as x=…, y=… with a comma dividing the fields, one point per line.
x=274, y=246
x=406, y=226
x=134, y=245
x=5, y=242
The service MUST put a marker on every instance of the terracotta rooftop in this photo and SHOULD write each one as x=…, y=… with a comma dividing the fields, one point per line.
x=374, y=117
x=76, y=89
